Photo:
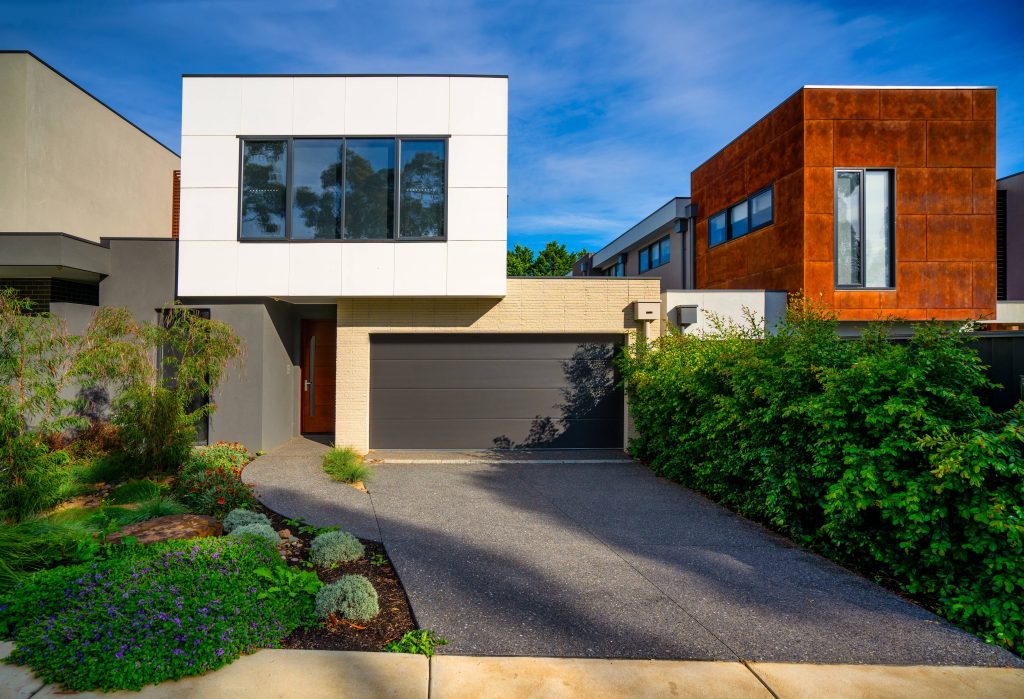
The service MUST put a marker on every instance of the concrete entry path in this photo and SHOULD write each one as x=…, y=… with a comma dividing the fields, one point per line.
x=291, y=481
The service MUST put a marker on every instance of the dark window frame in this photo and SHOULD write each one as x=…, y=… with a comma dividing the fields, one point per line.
x=749, y=201
x=892, y=229
x=396, y=237
x=649, y=251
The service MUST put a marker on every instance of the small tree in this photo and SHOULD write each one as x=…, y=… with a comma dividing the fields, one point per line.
x=553, y=261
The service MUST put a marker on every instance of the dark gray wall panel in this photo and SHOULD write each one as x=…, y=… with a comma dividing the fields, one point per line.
x=484, y=391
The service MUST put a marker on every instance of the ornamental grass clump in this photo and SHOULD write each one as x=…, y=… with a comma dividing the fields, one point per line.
x=335, y=547
x=350, y=597
x=263, y=531
x=240, y=518
x=155, y=613
x=345, y=465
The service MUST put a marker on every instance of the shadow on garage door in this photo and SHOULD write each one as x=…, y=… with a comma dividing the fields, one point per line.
x=485, y=391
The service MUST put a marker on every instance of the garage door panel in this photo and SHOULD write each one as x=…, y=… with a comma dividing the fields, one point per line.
x=496, y=374
x=487, y=346
x=465, y=391
x=501, y=434
x=457, y=403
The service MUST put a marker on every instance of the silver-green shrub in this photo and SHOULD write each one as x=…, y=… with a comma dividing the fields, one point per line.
x=240, y=518
x=264, y=531
x=335, y=547
x=350, y=597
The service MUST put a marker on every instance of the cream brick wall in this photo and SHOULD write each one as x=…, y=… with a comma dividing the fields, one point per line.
x=538, y=305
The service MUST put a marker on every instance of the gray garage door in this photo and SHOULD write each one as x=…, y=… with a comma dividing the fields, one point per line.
x=486, y=391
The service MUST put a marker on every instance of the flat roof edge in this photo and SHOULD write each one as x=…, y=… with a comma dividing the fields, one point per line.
x=900, y=87
x=341, y=75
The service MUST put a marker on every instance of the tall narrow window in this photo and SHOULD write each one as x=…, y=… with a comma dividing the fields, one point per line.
x=645, y=260
x=666, y=249
x=316, y=188
x=864, y=228
x=369, y=188
x=421, y=205
x=264, y=181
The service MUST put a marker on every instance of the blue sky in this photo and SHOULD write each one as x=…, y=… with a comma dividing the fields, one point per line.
x=611, y=104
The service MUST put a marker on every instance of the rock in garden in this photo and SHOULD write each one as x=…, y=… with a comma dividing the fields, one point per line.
x=168, y=528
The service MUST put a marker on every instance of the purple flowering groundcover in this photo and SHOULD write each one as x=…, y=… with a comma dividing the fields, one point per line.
x=149, y=614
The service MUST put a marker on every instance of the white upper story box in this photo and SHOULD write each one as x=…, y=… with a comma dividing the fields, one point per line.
x=315, y=187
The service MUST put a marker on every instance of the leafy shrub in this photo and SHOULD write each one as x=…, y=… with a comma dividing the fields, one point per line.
x=290, y=582
x=157, y=507
x=350, y=597
x=345, y=465
x=134, y=491
x=156, y=432
x=420, y=641
x=210, y=483
x=157, y=612
x=875, y=452
x=39, y=544
x=263, y=531
x=107, y=468
x=240, y=518
x=32, y=478
x=335, y=547
x=99, y=438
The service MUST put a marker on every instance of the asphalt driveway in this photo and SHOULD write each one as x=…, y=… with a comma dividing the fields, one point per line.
x=604, y=559
x=587, y=554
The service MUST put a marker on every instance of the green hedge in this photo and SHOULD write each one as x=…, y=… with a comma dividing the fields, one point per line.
x=874, y=452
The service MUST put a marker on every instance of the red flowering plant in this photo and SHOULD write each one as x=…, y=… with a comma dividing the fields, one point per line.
x=210, y=482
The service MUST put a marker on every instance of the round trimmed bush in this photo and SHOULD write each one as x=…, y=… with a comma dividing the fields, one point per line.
x=264, y=531
x=351, y=597
x=239, y=518
x=335, y=547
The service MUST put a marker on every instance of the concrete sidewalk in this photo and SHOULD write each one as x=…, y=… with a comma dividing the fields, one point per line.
x=314, y=674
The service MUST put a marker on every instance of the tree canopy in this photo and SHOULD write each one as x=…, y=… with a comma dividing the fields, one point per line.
x=553, y=261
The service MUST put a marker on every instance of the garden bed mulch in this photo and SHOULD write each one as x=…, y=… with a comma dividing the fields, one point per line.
x=395, y=617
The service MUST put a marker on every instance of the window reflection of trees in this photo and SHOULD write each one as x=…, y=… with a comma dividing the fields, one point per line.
x=422, y=206
x=263, y=200
x=589, y=386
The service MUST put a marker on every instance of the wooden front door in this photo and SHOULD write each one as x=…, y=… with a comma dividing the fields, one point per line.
x=319, y=338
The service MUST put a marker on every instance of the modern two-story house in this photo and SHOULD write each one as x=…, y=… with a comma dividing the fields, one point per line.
x=366, y=217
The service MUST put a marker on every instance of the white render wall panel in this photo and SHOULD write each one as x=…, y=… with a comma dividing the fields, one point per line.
x=368, y=269
x=209, y=161
x=267, y=106
x=478, y=213
x=479, y=107
x=315, y=269
x=207, y=268
x=371, y=106
x=476, y=268
x=478, y=161
x=318, y=107
x=211, y=106
x=421, y=269
x=210, y=213
x=216, y=111
x=263, y=269
x=423, y=106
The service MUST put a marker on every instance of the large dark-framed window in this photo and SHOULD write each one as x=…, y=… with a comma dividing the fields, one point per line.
x=865, y=225
x=656, y=254
x=743, y=217
x=619, y=268
x=319, y=188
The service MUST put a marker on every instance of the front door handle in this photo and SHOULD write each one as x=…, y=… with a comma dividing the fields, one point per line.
x=305, y=385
